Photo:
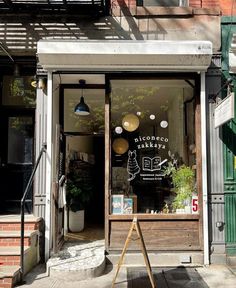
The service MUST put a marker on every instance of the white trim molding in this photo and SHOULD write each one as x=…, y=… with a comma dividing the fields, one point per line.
x=204, y=169
x=48, y=213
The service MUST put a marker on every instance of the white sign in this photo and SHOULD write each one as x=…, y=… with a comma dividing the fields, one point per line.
x=224, y=110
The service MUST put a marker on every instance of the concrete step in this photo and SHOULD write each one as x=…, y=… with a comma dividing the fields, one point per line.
x=10, y=226
x=12, y=238
x=13, y=222
x=159, y=259
x=11, y=255
x=9, y=276
x=78, y=261
x=231, y=261
x=218, y=258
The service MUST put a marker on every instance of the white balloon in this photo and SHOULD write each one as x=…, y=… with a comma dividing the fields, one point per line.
x=152, y=116
x=118, y=130
x=164, y=124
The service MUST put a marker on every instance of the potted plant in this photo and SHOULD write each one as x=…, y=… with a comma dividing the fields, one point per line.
x=183, y=185
x=78, y=193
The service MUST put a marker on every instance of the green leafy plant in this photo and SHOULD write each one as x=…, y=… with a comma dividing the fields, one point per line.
x=183, y=180
x=78, y=191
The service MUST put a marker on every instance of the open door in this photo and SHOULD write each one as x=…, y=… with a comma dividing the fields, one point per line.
x=59, y=191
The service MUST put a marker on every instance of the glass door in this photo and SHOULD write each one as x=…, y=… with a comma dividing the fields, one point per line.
x=17, y=132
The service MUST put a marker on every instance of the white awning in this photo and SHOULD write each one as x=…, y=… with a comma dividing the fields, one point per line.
x=124, y=55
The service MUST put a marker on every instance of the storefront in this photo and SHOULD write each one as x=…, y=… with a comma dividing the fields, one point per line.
x=154, y=126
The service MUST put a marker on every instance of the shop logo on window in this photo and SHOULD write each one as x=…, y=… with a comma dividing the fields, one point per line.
x=152, y=164
x=132, y=165
x=146, y=160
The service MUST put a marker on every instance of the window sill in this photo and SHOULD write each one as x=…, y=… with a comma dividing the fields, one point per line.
x=161, y=11
x=170, y=216
x=173, y=11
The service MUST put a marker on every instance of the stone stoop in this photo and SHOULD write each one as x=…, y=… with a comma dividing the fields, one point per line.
x=10, y=247
x=78, y=261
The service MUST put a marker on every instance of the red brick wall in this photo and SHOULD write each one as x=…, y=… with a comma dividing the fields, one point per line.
x=227, y=8
x=6, y=283
x=192, y=3
x=225, y=5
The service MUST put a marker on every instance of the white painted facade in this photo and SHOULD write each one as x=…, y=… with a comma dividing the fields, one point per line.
x=112, y=56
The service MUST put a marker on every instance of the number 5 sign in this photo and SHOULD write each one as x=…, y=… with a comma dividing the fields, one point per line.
x=194, y=204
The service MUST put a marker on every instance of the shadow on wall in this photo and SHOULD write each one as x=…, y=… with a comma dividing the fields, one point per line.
x=20, y=34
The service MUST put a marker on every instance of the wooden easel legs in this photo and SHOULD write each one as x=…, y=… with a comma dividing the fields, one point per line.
x=135, y=226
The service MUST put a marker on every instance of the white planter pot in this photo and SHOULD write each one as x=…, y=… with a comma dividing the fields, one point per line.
x=188, y=209
x=180, y=211
x=76, y=221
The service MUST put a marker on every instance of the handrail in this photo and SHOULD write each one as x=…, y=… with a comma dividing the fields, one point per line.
x=23, y=199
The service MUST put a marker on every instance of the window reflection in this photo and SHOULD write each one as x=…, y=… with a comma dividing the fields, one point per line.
x=17, y=91
x=20, y=140
x=93, y=123
x=153, y=136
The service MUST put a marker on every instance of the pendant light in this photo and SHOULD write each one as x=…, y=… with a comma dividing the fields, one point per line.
x=130, y=122
x=82, y=108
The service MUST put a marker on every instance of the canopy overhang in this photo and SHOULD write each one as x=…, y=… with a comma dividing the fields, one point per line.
x=124, y=55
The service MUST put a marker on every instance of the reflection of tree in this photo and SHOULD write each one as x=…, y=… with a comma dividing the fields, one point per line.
x=22, y=125
x=130, y=100
x=20, y=87
x=93, y=122
x=123, y=101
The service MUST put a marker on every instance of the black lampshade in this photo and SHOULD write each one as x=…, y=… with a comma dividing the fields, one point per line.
x=82, y=108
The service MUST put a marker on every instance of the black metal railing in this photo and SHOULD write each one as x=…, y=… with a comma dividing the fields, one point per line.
x=23, y=200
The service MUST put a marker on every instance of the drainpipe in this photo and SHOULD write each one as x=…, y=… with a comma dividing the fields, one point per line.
x=48, y=169
x=204, y=169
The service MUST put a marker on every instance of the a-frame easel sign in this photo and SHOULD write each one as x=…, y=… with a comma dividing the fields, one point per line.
x=135, y=226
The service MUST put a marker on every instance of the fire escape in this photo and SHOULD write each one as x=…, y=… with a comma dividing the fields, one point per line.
x=46, y=7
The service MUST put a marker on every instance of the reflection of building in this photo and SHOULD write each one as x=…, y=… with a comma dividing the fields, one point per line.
x=168, y=71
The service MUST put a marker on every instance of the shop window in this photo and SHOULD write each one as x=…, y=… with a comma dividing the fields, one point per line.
x=17, y=91
x=92, y=123
x=163, y=3
x=153, y=147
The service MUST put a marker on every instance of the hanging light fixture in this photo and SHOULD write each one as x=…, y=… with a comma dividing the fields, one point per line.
x=120, y=145
x=82, y=108
x=130, y=122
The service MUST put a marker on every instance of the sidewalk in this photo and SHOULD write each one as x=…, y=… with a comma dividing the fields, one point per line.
x=135, y=277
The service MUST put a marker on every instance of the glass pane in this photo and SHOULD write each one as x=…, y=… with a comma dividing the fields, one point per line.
x=93, y=123
x=20, y=140
x=17, y=91
x=153, y=144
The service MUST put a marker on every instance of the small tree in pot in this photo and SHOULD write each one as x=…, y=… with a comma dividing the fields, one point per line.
x=183, y=182
x=182, y=179
x=79, y=191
